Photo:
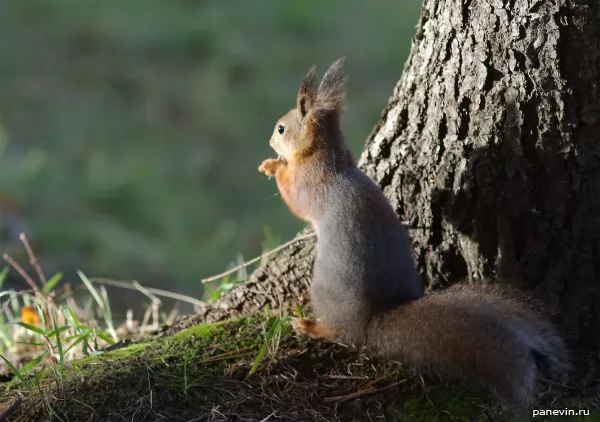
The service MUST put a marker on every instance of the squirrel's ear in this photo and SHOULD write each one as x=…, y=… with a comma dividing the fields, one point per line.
x=331, y=93
x=307, y=92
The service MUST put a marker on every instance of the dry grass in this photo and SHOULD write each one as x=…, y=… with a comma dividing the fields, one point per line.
x=51, y=323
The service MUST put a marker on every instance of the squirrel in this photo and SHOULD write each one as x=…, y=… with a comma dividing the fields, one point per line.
x=365, y=288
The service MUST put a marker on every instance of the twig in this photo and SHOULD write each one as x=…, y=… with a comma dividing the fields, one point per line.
x=21, y=271
x=258, y=258
x=269, y=416
x=557, y=384
x=157, y=292
x=146, y=292
x=346, y=377
x=277, y=249
x=360, y=393
x=173, y=314
x=144, y=326
x=225, y=356
x=12, y=407
x=5, y=309
x=33, y=260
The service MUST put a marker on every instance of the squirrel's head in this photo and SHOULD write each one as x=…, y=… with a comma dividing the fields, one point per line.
x=304, y=125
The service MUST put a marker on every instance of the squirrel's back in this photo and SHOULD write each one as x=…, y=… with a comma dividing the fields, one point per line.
x=362, y=249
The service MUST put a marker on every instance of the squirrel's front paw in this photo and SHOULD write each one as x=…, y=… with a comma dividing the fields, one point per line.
x=314, y=329
x=269, y=166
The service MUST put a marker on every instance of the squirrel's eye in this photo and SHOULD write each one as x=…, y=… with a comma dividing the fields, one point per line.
x=280, y=129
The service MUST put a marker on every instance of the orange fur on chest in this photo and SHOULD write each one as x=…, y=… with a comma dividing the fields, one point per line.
x=290, y=194
x=298, y=189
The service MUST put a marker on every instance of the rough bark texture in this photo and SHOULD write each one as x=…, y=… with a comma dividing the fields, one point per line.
x=489, y=149
x=279, y=282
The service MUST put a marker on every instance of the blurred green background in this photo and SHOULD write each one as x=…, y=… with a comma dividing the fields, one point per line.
x=131, y=131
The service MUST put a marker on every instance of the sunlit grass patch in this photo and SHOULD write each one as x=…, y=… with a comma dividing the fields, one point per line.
x=53, y=323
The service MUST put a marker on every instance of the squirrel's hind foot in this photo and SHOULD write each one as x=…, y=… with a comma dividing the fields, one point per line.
x=314, y=329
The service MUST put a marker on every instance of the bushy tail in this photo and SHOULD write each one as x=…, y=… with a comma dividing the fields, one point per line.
x=522, y=316
x=485, y=332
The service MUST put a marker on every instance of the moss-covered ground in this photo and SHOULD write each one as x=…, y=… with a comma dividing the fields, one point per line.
x=214, y=372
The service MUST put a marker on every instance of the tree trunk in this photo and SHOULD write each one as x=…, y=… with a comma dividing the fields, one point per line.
x=489, y=150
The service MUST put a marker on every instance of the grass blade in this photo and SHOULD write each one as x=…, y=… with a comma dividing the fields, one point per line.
x=61, y=353
x=75, y=343
x=259, y=357
x=33, y=363
x=52, y=282
x=91, y=288
x=31, y=328
x=60, y=330
x=72, y=318
x=22, y=377
x=42, y=315
x=108, y=319
x=106, y=338
x=7, y=293
x=3, y=275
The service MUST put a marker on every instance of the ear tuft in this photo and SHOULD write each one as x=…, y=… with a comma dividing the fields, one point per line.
x=307, y=92
x=331, y=93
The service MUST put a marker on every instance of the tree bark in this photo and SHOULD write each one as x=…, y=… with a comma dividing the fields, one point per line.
x=280, y=282
x=489, y=149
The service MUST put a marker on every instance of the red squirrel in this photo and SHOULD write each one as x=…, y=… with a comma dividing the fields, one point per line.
x=365, y=288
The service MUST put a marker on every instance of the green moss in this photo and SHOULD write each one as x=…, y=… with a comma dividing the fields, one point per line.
x=157, y=373
x=458, y=403
x=207, y=368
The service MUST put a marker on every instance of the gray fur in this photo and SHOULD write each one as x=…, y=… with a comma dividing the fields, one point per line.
x=511, y=309
x=364, y=261
x=477, y=332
